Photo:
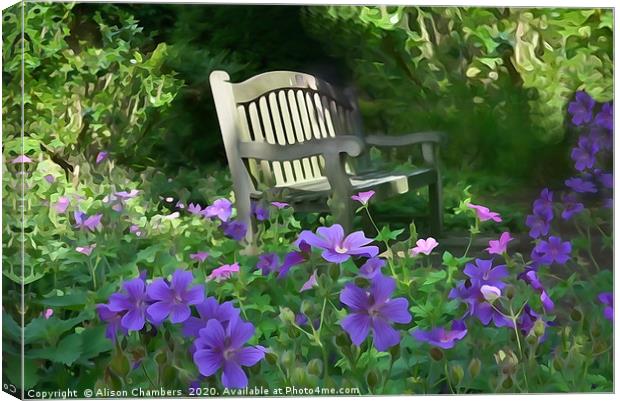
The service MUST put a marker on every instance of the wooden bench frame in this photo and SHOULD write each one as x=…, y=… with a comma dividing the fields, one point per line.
x=331, y=130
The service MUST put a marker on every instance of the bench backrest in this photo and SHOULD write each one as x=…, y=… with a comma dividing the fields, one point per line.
x=281, y=107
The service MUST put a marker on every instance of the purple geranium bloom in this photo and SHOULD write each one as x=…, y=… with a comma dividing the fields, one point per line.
x=135, y=229
x=234, y=229
x=62, y=204
x=483, y=273
x=101, y=156
x=531, y=277
x=280, y=205
x=175, y=298
x=605, y=117
x=553, y=250
x=336, y=247
x=484, y=213
x=499, y=247
x=300, y=319
x=268, y=263
x=372, y=268
x=580, y=185
x=607, y=299
x=526, y=321
x=113, y=320
x=221, y=208
x=199, y=256
x=543, y=206
x=538, y=224
x=584, y=155
x=132, y=302
x=571, y=206
x=363, y=197
x=49, y=178
x=194, y=209
x=295, y=258
x=374, y=311
x=209, y=309
x=546, y=301
x=312, y=281
x=21, y=159
x=581, y=108
x=607, y=179
x=83, y=221
x=124, y=195
x=261, y=213
x=470, y=293
x=440, y=337
x=86, y=250
x=219, y=348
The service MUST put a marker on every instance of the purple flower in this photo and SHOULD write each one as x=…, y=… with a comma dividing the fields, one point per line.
x=605, y=117
x=83, y=221
x=571, y=206
x=221, y=208
x=538, y=224
x=199, y=256
x=607, y=179
x=581, y=108
x=21, y=159
x=372, y=268
x=483, y=273
x=234, y=229
x=300, y=319
x=601, y=138
x=260, y=212
x=607, y=299
x=584, y=154
x=295, y=258
x=499, y=247
x=546, y=301
x=312, y=282
x=101, y=156
x=374, y=311
x=268, y=263
x=531, y=277
x=195, y=209
x=363, y=197
x=209, y=309
x=580, y=185
x=280, y=205
x=113, y=320
x=86, y=250
x=553, y=250
x=175, y=298
x=218, y=348
x=135, y=229
x=440, y=337
x=483, y=213
x=62, y=204
x=49, y=178
x=526, y=321
x=470, y=293
x=490, y=293
x=336, y=247
x=124, y=195
x=223, y=272
x=543, y=206
x=424, y=246
x=132, y=303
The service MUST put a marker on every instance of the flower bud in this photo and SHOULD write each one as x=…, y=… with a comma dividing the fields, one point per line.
x=271, y=358
x=576, y=314
x=474, y=367
x=557, y=363
x=510, y=291
x=490, y=293
x=539, y=328
x=531, y=339
x=286, y=315
x=372, y=378
x=457, y=373
x=595, y=329
x=306, y=307
x=287, y=359
x=299, y=377
x=334, y=271
x=315, y=367
x=436, y=354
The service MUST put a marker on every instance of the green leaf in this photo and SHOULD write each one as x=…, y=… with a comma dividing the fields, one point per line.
x=433, y=277
x=386, y=234
x=66, y=351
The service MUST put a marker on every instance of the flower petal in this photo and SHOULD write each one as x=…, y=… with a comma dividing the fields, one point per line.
x=355, y=297
x=234, y=376
x=384, y=336
x=396, y=310
x=357, y=326
x=249, y=356
x=208, y=361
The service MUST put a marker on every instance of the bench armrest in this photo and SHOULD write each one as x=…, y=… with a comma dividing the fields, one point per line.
x=349, y=144
x=405, y=140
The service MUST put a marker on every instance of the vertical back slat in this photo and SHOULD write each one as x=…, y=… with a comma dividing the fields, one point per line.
x=265, y=115
x=255, y=122
x=276, y=118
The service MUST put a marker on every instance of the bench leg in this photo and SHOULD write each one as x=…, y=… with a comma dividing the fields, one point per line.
x=436, y=208
x=244, y=213
x=343, y=212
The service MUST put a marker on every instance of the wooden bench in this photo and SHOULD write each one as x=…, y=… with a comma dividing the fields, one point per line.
x=292, y=137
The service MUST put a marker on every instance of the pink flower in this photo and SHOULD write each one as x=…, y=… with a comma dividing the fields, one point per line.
x=48, y=313
x=484, y=214
x=223, y=272
x=221, y=208
x=499, y=247
x=101, y=156
x=86, y=250
x=424, y=246
x=21, y=159
x=49, y=178
x=363, y=197
x=135, y=229
x=280, y=205
x=312, y=281
x=62, y=204
x=490, y=293
x=199, y=256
